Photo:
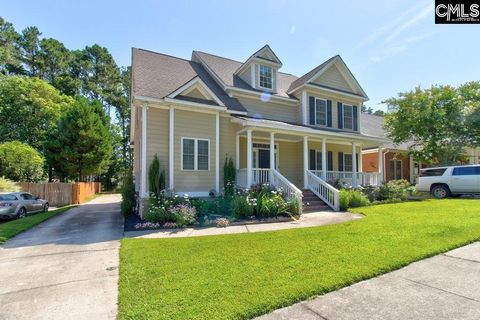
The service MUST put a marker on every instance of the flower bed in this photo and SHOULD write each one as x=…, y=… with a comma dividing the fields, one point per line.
x=258, y=203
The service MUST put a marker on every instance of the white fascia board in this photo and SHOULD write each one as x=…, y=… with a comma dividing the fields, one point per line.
x=195, y=104
x=233, y=91
x=341, y=93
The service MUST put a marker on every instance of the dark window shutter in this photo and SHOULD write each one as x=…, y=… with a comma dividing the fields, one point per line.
x=356, y=159
x=330, y=161
x=319, y=161
x=340, y=115
x=340, y=161
x=312, y=110
x=329, y=113
x=312, y=165
x=355, y=118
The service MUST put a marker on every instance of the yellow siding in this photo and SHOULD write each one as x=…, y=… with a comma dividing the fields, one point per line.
x=157, y=138
x=194, y=125
x=268, y=110
x=228, y=132
x=334, y=79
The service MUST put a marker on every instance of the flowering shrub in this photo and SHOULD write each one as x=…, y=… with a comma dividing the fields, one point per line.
x=169, y=225
x=222, y=222
x=148, y=225
x=184, y=214
x=351, y=198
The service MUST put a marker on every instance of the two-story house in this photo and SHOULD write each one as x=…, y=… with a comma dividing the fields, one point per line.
x=293, y=132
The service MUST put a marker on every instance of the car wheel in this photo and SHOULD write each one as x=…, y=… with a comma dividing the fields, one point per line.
x=440, y=191
x=22, y=213
x=45, y=207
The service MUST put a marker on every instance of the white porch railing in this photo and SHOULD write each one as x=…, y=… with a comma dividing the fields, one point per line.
x=323, y=190
x=289, y=189
x=273, y=177
x=260, y=176
x=363, y=178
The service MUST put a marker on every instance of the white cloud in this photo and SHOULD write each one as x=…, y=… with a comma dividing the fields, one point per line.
x=422, y=14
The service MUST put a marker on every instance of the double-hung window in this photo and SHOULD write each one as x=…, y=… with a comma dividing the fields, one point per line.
x=266, y=77
x=396, y=169
x=347, y=162
x=315, y=160
x=320, y=112
x=195, y=154
x=348, y=116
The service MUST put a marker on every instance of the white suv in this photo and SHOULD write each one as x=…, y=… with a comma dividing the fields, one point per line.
x=445, y=181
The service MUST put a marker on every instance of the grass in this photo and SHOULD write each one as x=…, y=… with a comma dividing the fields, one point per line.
x=241, y=276
x=12, y=228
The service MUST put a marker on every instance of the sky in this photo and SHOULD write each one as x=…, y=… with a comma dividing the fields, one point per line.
x=390, y=46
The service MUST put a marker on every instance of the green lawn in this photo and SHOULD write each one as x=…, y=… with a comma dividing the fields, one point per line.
x=244, y=275
x=14, y=227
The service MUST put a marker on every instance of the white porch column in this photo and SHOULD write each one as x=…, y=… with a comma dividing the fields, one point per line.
x=171, y=149
x=143, y=183
x=324, y=158
x=354, y=165
x=237, y=152
x=412, y=171
x=380, y=164
x=272, y=155
x=249, y=158
x=305, y=161
x=217, y=152
x=360, y=160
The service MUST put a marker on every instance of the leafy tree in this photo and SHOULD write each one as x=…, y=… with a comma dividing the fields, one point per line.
x=9, y=50
x=20, y=162
x=7, y=185
x=379, y=113
x=82, y=145
x=469, y=93
x=29, y=109
x=30, y=50
x=433, y=120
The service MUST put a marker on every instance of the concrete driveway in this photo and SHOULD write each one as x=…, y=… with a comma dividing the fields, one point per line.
x=65, y=268
x=444, y=287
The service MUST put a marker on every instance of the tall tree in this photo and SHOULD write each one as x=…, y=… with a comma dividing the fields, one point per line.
x=29, y=109
x=30, y=49
x=20, y=162
x=84, y=146
x=433, y=120
x=9, y=49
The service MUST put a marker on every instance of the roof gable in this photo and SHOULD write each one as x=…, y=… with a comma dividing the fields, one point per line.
x=196, y=89
x=265, y=54
x=332, y=74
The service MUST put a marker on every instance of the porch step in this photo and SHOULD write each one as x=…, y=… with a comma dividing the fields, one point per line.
x=312, y=203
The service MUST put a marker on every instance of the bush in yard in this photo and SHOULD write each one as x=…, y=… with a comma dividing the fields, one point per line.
x=128, y=196
x=293, y=207
x=229, y=177
x=351, y=198
x=394, y=189
x=184, y=214
x=20, y=162
x=8, y=185
x=156, y=178
x=241, y=207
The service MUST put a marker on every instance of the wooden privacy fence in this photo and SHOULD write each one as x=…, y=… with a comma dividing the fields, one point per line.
x=61, y=194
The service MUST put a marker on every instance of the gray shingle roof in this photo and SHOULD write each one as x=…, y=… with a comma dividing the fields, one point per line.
x=225, y=69
x=372, y=125
x=157, y=75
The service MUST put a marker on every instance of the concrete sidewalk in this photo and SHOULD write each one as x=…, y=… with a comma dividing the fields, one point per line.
x=307, y=220
x=66, y=267
x=442, y=287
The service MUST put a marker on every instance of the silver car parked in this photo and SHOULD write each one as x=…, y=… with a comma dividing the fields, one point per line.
x=20, y=204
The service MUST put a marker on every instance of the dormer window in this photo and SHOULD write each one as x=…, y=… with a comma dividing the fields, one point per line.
x=265, y=75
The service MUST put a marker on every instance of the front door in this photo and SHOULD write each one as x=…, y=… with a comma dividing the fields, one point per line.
x=263, y=159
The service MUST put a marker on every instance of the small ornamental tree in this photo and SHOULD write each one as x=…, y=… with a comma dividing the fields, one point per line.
x=156, y=178
x=20, y=162
x=82, y=143
x=229, y=176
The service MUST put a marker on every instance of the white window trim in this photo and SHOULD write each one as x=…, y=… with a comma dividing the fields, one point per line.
x=195, y=154
x=345, y=154
x=273, y=77
x=353, y=117
x=392, y=174
x=255, y=149
x=326, y=112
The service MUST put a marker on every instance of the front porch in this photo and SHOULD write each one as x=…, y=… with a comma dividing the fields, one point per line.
x=292, y=161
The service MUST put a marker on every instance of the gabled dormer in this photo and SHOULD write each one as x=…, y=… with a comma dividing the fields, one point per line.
x=260, y=70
